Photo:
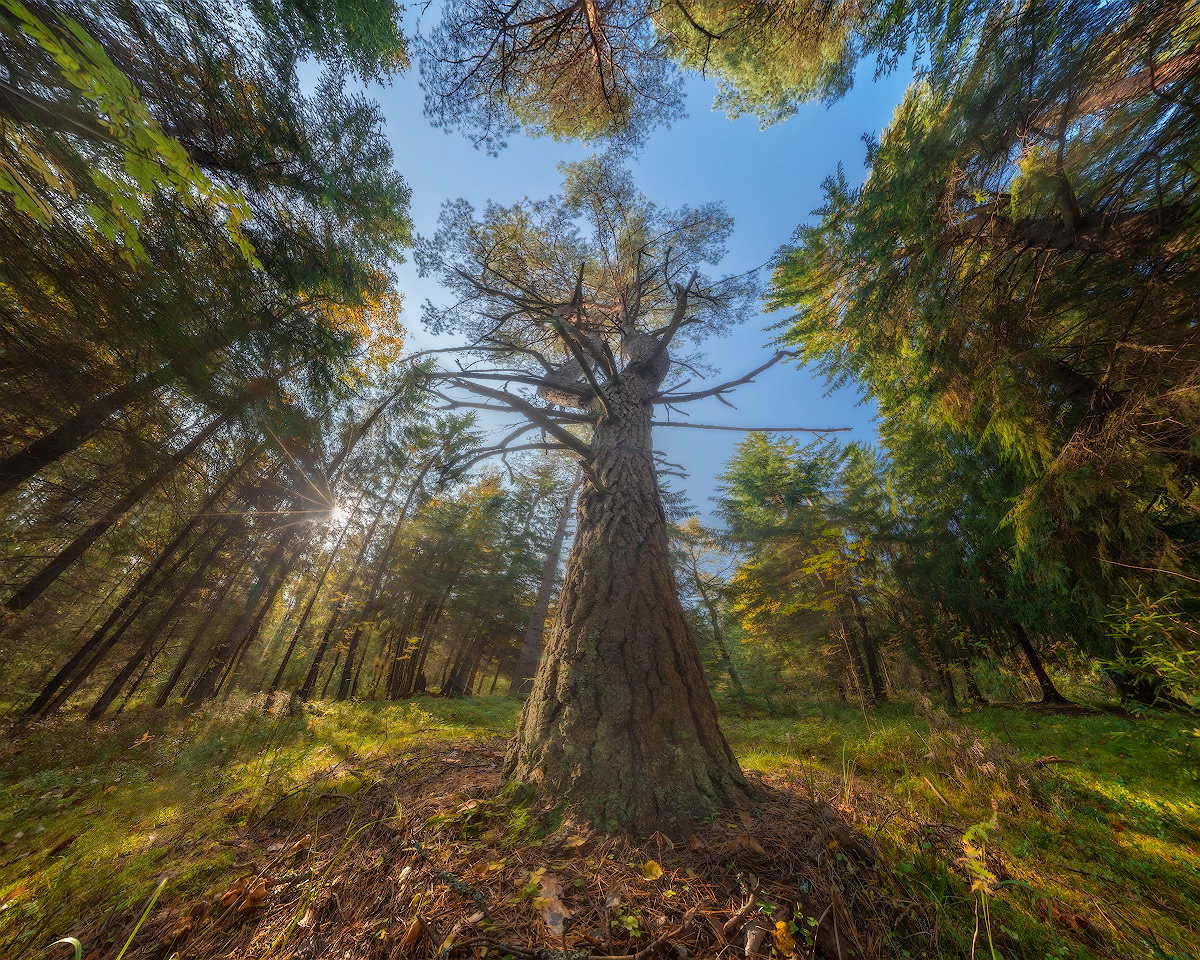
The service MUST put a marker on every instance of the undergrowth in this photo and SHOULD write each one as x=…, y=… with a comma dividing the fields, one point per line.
x=1009, y=833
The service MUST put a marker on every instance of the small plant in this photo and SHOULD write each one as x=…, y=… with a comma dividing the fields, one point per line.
x=983, y=880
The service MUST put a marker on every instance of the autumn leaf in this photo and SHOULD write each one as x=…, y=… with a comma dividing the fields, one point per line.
x=784, y=941
x=413, y=935
x=651, y=870
x=549, y=900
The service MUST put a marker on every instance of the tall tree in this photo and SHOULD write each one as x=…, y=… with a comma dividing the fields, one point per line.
x=573, y=307
x=1021, y=262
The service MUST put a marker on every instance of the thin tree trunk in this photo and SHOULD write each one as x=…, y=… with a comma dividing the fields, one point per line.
x=870, y=650
x=36, y=585
x=214, y=609
x=531, y=646
x=228, y=651
x=114, y=687
x=1050, y=692
x=370, y=605
x=17, y=468
x=312, y=599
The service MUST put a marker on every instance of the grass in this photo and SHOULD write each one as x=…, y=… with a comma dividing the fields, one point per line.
x=1098, y=856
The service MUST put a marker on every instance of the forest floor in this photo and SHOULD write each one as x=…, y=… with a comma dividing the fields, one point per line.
x=378, y=831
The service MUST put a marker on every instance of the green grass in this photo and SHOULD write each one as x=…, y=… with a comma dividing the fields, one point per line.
x=1099, y=857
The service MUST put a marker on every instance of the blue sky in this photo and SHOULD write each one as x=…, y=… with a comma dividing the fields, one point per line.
x=769, y=181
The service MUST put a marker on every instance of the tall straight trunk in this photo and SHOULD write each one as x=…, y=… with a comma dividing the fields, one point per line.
x=36, y=585
x=312, y=599
x=870, y=650
x=620, y=723
x=105, y=637
x=227, y=652
x=720, y=641
x=531, y=646
x=370, y=605
x=214, y=608
x=80, y=666
x=858, y=669
x=344, y=597
x=403, y=674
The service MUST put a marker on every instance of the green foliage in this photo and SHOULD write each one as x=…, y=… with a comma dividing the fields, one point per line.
x=149, y=159
x=1007, y=283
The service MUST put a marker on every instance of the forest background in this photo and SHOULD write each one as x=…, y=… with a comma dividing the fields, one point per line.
x=227, y=472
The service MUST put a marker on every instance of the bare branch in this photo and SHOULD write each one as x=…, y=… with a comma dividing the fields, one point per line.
x=536, y=414
x=724, y=387
x=713, y=426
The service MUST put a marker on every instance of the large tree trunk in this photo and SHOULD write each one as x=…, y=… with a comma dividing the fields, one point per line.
x=621, y=724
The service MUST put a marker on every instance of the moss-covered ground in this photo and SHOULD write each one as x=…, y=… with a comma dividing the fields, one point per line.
x=377, y=830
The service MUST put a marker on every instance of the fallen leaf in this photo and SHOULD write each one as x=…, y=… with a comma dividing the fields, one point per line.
x=235, y=891
x=254, y=896
x=413, y=935
x=695, y=844
x=747, y=842
x=549, y=900
x=651, y=870
x=784, y=942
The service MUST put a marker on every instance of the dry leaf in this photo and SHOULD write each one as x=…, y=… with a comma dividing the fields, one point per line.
x=549, y=900
x=234, y=893
x=254, y=896
x=747, y=842
x=651, y=870
x=575, y=842
x=413, y=935
x=695, y=844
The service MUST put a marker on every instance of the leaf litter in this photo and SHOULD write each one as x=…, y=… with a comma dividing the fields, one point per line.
x=429, y=860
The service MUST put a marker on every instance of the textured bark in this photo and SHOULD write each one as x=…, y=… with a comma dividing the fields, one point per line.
x=21, y=466
x=621, y=725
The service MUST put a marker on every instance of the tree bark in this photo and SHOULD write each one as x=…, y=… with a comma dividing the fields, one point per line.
x=621, y=725
x=19, y=467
